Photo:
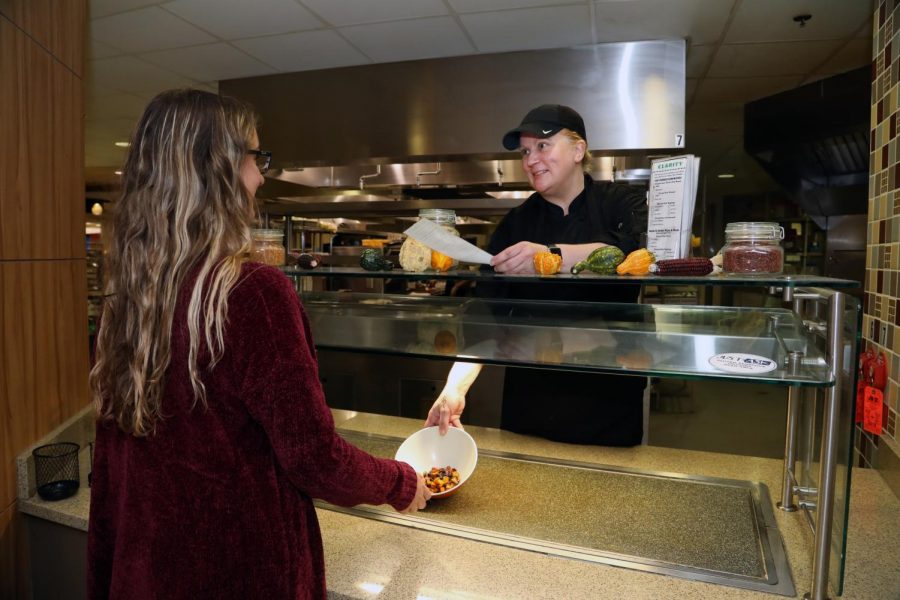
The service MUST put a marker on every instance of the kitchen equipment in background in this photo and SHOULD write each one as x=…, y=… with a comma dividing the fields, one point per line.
x=845, y=247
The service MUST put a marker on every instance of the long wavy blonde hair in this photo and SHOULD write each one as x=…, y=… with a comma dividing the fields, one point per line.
x=184, y=213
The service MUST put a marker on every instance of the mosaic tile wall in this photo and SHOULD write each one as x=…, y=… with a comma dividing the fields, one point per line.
x=881, y=319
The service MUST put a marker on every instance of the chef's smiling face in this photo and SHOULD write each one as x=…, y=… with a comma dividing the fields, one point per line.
x=549, y=162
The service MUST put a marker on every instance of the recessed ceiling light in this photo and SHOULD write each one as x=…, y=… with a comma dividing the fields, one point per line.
x=122, y=144
x=725, y=175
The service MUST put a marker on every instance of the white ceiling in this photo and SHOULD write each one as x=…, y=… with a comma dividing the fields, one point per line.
x=739, y=50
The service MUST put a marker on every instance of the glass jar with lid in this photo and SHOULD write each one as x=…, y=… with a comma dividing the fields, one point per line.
x=416, y=256
x=267, y=246
x=753, y=248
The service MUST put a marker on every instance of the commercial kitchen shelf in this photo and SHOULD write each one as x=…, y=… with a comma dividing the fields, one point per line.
x=791, y=281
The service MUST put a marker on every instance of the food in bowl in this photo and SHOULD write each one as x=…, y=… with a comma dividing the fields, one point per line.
x=427, y=447
x=441, y=479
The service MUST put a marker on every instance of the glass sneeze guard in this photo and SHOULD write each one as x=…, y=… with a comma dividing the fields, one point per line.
x=633, y=339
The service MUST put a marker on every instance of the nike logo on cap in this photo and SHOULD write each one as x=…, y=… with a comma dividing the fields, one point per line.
x=546, y=131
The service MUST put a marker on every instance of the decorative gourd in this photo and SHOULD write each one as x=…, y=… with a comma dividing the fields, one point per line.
x=682, y=266
x=440, y=262
x=415, y=256
x=445, y=342
x=546, y=263
x=636, y=263
x=307, y=261
x=602, y=261
x=635, y=359
x=371, y=260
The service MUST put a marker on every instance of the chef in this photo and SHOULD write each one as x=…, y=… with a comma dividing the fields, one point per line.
x=568, y=214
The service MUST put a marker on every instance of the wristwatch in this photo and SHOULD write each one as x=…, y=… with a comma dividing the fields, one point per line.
x=554, y=249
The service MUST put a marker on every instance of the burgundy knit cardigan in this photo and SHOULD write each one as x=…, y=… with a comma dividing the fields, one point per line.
x=217, y=503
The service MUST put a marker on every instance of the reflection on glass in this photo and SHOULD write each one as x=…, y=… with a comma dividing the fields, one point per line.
x=652, y=340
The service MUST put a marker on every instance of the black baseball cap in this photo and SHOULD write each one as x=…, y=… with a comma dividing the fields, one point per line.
x=544, y=121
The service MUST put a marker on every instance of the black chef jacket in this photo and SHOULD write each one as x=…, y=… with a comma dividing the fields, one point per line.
x=568, y=406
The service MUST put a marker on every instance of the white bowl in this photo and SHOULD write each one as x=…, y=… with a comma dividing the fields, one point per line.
x=427, y=448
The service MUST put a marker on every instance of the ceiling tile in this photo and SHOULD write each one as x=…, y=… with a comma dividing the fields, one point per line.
x=129, y=74
x=303, y=51
x=690, y=86
x=772, y=20
x=719, y=119
x=356, y=12
x=742, y=89
x=464, y=6
x=236, y=19
x=104, y=8
x=114, y=106
x=857, y=53
x=147, y=29
x=409, y=40
x=698, y=58
x=212, y=61
x=527, y=29
x=702, y=21
x=97, y=49
x=210, y=86
x=103, y=135
x=777, y=58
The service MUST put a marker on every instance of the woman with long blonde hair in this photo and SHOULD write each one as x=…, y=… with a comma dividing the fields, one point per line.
x=213, y=435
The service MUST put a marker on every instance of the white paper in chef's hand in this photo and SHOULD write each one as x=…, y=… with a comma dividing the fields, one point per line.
x=437, y=238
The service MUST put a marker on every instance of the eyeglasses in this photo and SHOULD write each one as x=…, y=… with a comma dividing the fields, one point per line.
x=263, y=159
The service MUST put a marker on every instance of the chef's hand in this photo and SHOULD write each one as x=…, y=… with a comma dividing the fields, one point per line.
x=518, y=258
x=447, y=410
x=423, y=494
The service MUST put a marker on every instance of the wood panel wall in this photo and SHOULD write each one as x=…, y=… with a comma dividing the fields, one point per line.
x=43, y=289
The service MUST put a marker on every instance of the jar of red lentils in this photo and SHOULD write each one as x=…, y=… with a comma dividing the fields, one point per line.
x=753, y=248
x=267, y=246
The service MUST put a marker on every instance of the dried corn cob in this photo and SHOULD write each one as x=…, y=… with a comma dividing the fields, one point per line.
x=682, y=266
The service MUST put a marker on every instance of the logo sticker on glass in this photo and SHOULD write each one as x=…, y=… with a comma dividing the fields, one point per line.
x=748, y=364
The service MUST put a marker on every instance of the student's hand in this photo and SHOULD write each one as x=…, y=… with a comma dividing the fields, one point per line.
x=423, y=495
x=447, y=410
x=518, y=258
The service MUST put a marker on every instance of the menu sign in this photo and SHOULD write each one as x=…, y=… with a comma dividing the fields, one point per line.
x=671, y=199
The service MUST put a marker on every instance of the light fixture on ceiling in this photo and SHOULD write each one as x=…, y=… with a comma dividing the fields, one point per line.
x=725, y=175
x=802, y=19
x=97, y=209
x=122, y=144
x=117, y=172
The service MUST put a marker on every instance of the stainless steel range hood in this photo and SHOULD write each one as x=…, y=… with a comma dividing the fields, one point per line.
x=631, y=96
x=388, y=139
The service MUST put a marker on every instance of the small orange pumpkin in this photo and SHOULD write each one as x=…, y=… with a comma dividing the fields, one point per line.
x=440, y=262
x=445, y=342
x=547, y=263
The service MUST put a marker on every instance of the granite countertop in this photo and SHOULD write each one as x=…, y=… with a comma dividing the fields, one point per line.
x=367, y=559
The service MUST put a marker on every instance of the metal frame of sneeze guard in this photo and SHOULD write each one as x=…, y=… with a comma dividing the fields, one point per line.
x=820, y=499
